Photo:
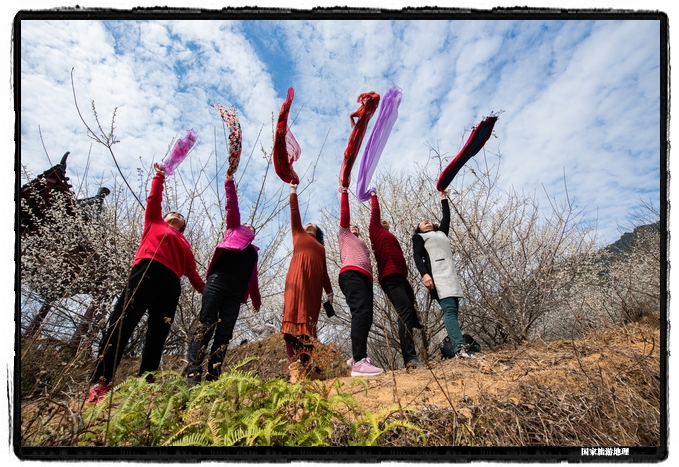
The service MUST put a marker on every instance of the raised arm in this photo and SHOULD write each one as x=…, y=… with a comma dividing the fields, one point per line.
x=375, y=214
x=295, y=218
x=232, y=210
x=345, y=215
x=154, y=210
x=445, y=209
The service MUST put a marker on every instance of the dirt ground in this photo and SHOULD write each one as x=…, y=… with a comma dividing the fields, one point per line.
x=495, y=374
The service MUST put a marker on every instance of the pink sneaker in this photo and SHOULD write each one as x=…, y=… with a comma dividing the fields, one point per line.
x=365, y=368
x=350, y=362
x=98, y=392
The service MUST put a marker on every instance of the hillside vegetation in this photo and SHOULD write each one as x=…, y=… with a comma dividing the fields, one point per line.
x=603, y=389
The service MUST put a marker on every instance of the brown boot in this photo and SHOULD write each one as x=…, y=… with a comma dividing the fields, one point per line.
x=295, y=372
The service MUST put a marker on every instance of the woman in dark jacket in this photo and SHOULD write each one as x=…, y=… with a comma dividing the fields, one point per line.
x=232, y=277
x=434, y=259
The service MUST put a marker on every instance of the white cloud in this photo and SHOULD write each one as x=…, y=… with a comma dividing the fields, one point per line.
x=579, y=96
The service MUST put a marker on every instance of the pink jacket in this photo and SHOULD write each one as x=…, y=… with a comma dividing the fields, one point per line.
x=354, y=253
x=237, y=237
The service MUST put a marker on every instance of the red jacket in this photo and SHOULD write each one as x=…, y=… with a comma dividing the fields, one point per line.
x=388, y=252
x=163, y=243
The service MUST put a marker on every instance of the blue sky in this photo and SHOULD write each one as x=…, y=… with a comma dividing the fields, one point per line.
x=578, y=97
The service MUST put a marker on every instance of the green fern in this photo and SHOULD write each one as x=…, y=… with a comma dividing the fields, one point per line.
x=236, y=410
x=193, y=439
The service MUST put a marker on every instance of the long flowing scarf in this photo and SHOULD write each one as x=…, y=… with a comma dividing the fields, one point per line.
x=476, y=140
x=369, y=102
x=179, y=151
x=285, y=148
x=230, y=117
x=377, y=140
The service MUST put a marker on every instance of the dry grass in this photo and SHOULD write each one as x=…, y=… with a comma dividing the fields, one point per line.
x=601, y=390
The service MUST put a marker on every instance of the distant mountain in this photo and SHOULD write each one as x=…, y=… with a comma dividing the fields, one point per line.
x=626, y=242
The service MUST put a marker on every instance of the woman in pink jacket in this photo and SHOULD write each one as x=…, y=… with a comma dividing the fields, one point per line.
x=232, y=277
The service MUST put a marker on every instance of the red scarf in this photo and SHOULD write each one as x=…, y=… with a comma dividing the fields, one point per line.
x=477, y=139
x=369, y=102
x=285, y=148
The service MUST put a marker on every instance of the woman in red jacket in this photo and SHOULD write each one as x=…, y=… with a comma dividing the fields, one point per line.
x=163, y=257
x=392, y=272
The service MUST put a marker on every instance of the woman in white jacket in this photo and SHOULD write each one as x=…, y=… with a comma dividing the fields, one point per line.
x=434, y=259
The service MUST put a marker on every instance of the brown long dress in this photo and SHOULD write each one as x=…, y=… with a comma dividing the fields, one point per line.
x=306, y=279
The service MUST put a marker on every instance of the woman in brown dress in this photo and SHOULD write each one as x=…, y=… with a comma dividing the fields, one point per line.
x=307, y=278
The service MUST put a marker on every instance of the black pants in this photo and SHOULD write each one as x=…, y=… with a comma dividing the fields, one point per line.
x=219, y=311
x=357, y=290
x=151, y=287
x=401, y=295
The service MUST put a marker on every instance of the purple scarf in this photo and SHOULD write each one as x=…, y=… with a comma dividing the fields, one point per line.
x=377, y=141
x=179, y=152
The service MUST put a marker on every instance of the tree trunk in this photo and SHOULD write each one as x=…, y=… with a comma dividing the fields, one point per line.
x=36, y=323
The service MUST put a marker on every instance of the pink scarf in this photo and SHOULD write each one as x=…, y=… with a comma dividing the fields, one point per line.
x=179, y=152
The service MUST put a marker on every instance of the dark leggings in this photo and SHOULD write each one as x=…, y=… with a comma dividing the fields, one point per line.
x=151, y=287
x=219, y=311
x=401, y=295
x=357, y=290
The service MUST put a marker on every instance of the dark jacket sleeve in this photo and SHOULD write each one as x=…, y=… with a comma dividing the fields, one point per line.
x=420, y=255
x=445, y=219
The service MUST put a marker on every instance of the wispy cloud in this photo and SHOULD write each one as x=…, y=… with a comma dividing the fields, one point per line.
x=580, y=97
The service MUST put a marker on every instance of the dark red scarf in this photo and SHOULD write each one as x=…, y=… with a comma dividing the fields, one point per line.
x=476, y=140
x=285, y=147
x=369, y=102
